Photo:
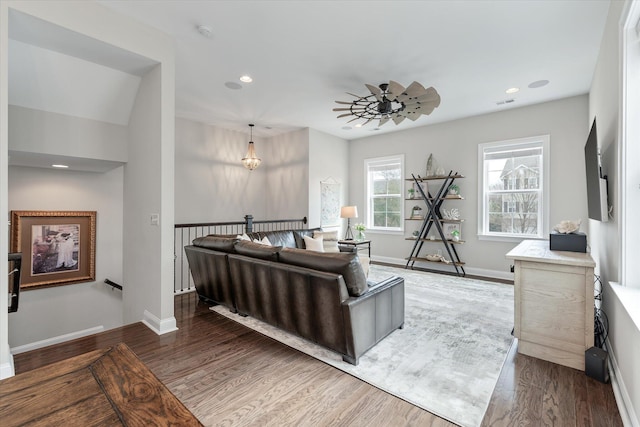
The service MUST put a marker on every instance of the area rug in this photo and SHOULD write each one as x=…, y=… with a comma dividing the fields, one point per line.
x=448, y=357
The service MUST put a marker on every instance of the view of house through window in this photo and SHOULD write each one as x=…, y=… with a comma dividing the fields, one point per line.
x=512, y=177
x=384, y=177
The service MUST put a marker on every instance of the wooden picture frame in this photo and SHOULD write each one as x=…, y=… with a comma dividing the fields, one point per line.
x=58, y=248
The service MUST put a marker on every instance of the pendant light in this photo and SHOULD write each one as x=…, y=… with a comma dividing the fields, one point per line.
x=251, y=161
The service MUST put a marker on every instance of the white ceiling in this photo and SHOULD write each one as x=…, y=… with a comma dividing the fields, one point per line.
x=303, y=55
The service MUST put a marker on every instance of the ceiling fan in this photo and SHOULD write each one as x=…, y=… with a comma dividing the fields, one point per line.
x=391, y=101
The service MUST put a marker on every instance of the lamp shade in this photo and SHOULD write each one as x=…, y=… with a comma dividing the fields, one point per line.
x=349, y=212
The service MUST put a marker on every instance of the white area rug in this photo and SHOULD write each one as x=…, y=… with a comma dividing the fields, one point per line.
x=448, y=357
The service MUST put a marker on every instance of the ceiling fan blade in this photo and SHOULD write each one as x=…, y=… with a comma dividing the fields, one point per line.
x=344, y=115
x=430, y=95
x=398, y=119
x=344, y=102
x=354, y=119
x=366, y=122
x=415, y=89
x=349, y=109
x=375, y=91
x=394, y=89
x=384, y=120
x=413, y=116
x=354, y=95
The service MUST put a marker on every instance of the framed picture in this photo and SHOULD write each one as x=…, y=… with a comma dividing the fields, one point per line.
x=58, y=248
x=449, y=228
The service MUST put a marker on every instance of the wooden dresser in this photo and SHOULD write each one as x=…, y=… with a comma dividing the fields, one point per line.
x=553, y=303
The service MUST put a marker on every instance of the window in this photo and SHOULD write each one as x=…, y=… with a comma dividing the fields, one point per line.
x=385, y=206
x=513, y=186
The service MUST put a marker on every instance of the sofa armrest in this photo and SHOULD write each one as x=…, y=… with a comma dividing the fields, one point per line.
x=373, y=316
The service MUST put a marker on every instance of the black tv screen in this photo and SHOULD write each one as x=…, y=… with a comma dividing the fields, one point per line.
x=596, y=183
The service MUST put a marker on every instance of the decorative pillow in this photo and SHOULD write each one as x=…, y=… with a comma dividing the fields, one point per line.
x=330, y=240
x=313, y=244
x=243, y=237
x=264, y=241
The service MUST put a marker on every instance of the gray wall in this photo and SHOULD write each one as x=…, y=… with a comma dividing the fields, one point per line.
x=454, y=146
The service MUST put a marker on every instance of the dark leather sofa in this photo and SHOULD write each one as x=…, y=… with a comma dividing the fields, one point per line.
x=322, y=297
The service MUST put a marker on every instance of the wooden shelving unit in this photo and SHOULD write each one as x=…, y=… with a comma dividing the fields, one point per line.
x=433, y=219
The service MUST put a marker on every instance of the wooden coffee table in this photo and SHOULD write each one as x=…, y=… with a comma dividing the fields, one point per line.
x=103, y=387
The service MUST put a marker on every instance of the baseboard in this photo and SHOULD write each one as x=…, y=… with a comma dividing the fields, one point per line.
x=625, y=406
x=159, y=326
x=6, y=369
x=56, y=340
x=471, y=271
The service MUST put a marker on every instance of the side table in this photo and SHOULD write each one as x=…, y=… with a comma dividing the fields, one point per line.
x=357, y=243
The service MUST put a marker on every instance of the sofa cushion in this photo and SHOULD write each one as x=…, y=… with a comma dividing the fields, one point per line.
x=346, y=264
x=277, y=238
x=216, y=243
x=313, y=243
x=257, y=250
x=329, y=240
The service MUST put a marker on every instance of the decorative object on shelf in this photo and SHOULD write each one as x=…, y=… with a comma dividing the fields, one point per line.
x=349, y=212
x=360, y=229
x=440, y=171
x=391, y=101
x=61, y=245
x=412, y=193
x=416, y=212
x=455, y=235
x=416, y=233
x=437, y=257
x=567, y=226
x=449, y=230
x=430, y=167
x=251, y=161
x=452, y=213
x=454, y=190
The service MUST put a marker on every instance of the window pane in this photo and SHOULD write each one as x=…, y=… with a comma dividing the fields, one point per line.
x=385, y=198
x=512, y=185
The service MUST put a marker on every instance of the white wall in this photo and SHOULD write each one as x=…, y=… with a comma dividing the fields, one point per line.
x=211, y=185
x=454, y=146
x=287, y=181
x=328, y=159
x=604, y=104
x=210, y=182
x=52, y=312
x=43, y=132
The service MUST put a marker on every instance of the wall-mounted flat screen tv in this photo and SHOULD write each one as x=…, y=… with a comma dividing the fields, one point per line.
x=596, y=182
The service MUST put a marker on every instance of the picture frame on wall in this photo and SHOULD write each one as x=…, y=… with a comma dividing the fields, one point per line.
x=58, y=247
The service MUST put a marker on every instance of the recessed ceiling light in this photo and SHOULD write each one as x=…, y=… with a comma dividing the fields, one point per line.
x=233, y=85
x=538, y=83
x=60, y=166
x=246, y=79
x=205, y=31
x=512, y=90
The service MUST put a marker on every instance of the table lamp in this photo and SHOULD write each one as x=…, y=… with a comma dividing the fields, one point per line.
x=349, y=212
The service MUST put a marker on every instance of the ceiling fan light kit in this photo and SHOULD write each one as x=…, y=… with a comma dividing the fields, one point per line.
x=390, y=101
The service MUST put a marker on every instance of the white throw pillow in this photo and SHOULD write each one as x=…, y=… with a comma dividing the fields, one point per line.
x=330, y=240
x=265, y=241
x=243, y=237
x=313, y=244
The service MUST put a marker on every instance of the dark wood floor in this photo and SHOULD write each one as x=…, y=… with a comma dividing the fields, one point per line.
x=229, y=375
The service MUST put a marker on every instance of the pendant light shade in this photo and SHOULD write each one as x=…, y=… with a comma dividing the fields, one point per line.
x=251, y=161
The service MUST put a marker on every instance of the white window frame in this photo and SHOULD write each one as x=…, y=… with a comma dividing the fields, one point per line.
x=377, y=161
x=543, y=206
